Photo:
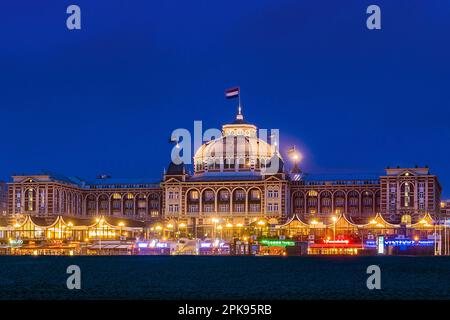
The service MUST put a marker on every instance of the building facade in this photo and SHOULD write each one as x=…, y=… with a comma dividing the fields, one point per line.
x=48, y=194
x=445, y=208
x=238, y=180
x=3, y=198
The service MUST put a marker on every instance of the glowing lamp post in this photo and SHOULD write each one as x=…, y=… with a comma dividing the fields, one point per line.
x=169, y=228
x=334, y=227
x=239, y=226
x=295, y=156
x=182, y=226
x=219, y=227
x=229, y=226
x=121, y=225
x=314, y=223
x=100, y=233
x=261, y=224
x=214, y=220
x=69, y=229
x=158, y=228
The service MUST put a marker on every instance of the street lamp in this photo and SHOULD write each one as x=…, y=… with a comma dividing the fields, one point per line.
x=295, y=157
x=70, y=225
x=100, y=227
x=229, y=227
x=121, y=224
x=214, y=220
x=219, y=227
x=261, y=224
x=334, y=227
x=158, y=228
x=169, y=227
x=313, y=224
x=239, y=226
x=182, y=225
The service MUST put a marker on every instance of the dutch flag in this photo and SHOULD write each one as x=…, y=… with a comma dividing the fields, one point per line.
x=232, y=93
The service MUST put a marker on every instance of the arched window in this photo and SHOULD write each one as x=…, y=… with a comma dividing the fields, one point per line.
x=407, y=195
x=312, y=202
x=193, y=201
x=30, y=200
x=298, y=202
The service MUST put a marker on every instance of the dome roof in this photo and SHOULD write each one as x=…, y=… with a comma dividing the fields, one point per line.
x=234, y=146
x=237, y=149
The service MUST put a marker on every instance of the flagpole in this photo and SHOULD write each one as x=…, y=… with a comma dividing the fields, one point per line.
x=239, y=99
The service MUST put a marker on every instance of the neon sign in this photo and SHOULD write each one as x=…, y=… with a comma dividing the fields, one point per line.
x=17, y=243
x=152, y=244
x=277, y=243
x=336, y=241
x=398, y=243
x=216, y=244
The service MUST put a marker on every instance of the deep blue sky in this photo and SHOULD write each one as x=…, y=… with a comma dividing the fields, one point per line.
x=106, y=98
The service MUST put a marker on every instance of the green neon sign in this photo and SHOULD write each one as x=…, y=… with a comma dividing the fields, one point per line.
x=277, y=243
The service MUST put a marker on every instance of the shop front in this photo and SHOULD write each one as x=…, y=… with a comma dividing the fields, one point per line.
x=335, y=247
x=216, y=247
x=281, y=247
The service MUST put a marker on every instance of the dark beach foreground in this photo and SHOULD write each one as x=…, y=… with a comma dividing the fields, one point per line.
x=197, y=277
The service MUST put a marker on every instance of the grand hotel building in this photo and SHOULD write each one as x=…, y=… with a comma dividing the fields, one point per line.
x=231, y=184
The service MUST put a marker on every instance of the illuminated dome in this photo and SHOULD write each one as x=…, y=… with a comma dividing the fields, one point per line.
x=238, y=149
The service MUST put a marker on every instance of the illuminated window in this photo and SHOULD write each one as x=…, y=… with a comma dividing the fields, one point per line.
x=194, y=195
x=407, y=194
x=18, y=199
x=255, y=195
x=312, y=193
x=30, y=200
x=154, y=213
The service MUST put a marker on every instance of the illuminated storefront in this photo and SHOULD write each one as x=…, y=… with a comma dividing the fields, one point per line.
x=65, y=236
x=340, y=236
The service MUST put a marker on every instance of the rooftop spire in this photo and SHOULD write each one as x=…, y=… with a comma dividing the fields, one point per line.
x=239, y=116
